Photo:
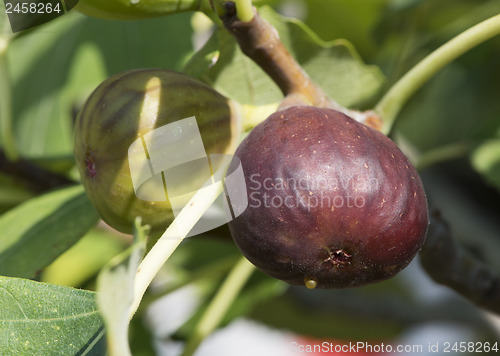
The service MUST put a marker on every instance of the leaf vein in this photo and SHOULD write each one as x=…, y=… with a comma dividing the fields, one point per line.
x=83, y=315
x=15, y=299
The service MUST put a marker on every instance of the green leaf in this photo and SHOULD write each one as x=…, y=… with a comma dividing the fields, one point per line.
x=457, y=105
x=85, y=259
x=44, y=319
x=486, y=160
x=115, y=286
x=38, y=64
x=35, y=233
x=12, y=192
x=5, y=29
x=231, y=72
x=353, y=20
x=335, y=66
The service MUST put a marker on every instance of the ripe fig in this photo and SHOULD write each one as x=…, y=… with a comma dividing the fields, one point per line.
x=332, y=203
x=123, y=109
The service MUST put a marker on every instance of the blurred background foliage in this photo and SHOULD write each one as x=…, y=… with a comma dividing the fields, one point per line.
x=450, y=129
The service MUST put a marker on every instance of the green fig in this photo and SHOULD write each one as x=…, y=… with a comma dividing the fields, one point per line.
x=119, y=113
x=136, y=9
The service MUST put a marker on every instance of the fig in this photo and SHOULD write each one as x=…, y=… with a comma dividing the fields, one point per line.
x=117, y=115
x=332, y=203
x=135, y=9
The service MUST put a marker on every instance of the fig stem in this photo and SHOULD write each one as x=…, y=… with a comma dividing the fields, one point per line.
x=242, y=9
x=226, y=295
x=170, y=240
x=6, y=129
x=392, y=102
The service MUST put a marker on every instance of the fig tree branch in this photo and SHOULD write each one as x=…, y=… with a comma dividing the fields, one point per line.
x=32, y=176
x=260, y=41
x=448, y=263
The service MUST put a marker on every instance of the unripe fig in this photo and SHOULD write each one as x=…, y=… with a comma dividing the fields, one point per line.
x=332, y=203
x=134, y=9
x=123, y=109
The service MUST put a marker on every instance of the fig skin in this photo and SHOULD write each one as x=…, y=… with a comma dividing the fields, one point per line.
x=111, y=120
x=127, y=10
x=333, y=203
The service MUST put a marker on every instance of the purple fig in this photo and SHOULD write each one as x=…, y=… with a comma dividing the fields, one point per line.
x=332, y=203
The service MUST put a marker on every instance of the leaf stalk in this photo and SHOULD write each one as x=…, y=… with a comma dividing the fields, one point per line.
x=391, y=104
